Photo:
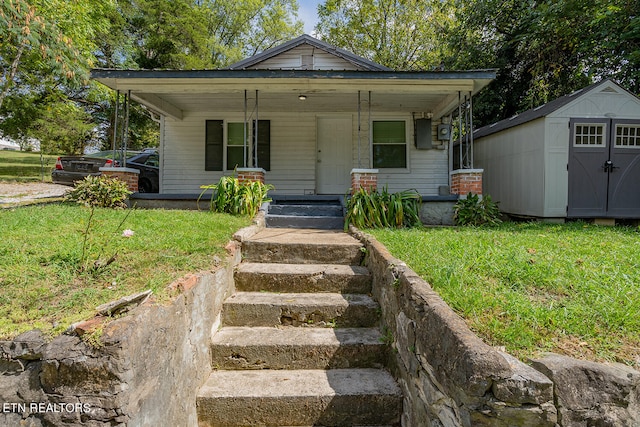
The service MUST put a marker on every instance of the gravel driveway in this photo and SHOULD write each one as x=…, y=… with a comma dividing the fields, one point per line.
x=12, y=193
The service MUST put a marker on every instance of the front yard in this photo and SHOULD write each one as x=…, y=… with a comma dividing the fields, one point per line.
x=571, y=289
x=20, y=166
x=529, y=287
x=46, y=283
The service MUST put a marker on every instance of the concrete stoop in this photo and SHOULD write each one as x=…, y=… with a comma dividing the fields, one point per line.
x=308, y=246
x=319, y=212
x=299, y=343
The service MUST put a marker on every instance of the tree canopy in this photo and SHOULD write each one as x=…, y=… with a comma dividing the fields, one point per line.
x=402, y=35
x=541, y=49
x=48, y=46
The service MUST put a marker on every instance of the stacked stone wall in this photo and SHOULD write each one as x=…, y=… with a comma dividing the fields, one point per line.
x=452, y=378
x=147, y=370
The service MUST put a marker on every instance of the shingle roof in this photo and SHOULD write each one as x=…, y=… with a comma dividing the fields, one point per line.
x=534, y=113
x=319, y=44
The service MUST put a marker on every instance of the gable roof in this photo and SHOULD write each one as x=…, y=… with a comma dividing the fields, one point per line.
x=358, y=61
x=539, y=112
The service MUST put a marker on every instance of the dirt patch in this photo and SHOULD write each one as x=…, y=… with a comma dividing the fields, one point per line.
x=17, y=193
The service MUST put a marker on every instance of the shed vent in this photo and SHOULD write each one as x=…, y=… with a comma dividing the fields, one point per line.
x=608, y=90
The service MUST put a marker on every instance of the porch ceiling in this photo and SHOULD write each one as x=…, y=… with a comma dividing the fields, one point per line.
x=175, y=93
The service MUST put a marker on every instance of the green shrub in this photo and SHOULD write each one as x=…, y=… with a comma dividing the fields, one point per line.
x=476, y=211
x=383, y=209
x=231, y=196
x=100, y=192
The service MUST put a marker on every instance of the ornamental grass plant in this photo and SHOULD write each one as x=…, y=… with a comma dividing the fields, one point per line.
x=235, y=197
x=373, y=209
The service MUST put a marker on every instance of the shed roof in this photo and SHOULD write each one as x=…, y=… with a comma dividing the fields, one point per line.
x=541, y=111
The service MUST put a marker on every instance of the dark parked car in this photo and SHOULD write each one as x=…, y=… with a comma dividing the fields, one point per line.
x=148, y=163
x=70, y=169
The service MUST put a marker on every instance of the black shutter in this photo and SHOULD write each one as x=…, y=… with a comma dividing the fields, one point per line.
x=264, y=144
x=214, y=145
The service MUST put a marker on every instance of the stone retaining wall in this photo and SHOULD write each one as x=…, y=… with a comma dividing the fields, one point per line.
x=451, y=378
x=147, y=373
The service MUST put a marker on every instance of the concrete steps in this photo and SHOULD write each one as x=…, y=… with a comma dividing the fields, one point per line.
x=300, y=309
x=336, y=397
x=256, y=277
x=299, y=343
x=308, y=246
x=297, y=348
x=316, y=212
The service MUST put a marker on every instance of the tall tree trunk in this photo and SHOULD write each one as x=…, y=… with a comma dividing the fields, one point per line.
x=12, y=73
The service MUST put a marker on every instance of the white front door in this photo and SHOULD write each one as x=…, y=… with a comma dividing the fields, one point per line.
x=334, y=157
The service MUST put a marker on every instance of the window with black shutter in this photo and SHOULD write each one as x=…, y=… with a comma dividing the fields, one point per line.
x=263, y=150
x=213, y=153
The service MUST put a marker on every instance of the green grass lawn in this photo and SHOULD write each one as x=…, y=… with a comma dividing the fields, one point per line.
x=571, y=288
x=22, y=166
x=43, y=284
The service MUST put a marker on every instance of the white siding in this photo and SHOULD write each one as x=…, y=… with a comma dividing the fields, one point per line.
x=608, y=101
x=513, y=163
x=293, y=155
x=291, y=60
x=556, y=183
x=427, y=169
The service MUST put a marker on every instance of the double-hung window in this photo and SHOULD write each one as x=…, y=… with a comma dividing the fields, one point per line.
x=389, y=139
x=225, y=148
x=235, y=145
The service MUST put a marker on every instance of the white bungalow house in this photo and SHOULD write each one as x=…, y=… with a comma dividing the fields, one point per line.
x=305, y=112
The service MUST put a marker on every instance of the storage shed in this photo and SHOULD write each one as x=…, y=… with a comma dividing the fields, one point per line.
x=575, y=157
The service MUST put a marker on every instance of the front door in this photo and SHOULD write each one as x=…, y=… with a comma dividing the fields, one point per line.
x=604, y=169
x=334, y=157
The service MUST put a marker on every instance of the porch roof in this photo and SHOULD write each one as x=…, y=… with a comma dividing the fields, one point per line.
x=174, y=92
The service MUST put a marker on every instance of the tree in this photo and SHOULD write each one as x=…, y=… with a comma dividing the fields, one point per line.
x=544, y=49
x=46, y=51
x=33, y=41
x=400, y=34
x=62, y=127
x=200, y=34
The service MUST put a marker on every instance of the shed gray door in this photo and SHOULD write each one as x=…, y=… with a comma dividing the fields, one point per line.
x=604, y=169
x=624, y=179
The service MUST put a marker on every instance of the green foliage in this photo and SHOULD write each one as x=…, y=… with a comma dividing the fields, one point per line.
x=100, y=191
x=207, y=34
x=475, y=211
x=231, y=196
x=62, y=127
x=544, y=49
x=25, y=166
x=42, y=287
x=383, y=209
x=535, y=287
x=36, y=41
x=403, y=35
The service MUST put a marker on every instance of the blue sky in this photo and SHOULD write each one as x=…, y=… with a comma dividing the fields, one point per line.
x=308, y=13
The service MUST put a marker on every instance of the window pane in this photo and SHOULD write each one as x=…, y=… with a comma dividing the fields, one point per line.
x=389, y=132
x=235, y=157
x=235, y=133
x=389, y=156
x=628, y=136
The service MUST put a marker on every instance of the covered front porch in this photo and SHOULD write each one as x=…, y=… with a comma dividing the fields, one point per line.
x=308, y=129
